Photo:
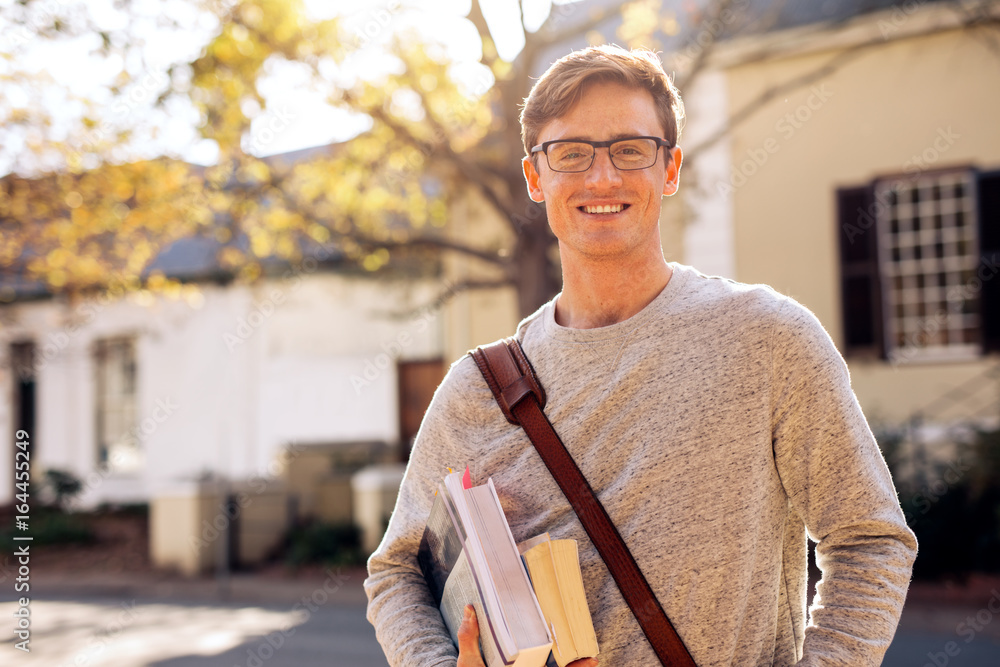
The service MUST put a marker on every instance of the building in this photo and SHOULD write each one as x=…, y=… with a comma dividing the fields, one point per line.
x=862, y=177
x=261, y=398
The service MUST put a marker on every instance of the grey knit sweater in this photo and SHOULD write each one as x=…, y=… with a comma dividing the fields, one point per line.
x=719, y=428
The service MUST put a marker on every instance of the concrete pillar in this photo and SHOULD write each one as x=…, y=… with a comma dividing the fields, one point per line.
x=375, y=489
x=183, y=529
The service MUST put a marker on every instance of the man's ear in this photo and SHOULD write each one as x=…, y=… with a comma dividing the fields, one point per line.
x=672, y=174
x=532, y=179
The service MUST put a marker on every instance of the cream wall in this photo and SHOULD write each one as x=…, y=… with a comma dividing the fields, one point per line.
x=889, y=103
x=701, y=233
x=482, y=316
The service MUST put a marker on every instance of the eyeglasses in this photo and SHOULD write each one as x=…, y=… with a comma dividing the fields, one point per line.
x=578, y=155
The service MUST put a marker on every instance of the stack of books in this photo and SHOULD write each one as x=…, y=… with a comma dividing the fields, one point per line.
x=529, y=598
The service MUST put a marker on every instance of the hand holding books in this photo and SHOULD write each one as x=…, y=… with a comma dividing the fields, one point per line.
x=468, y=643
x=468, y=554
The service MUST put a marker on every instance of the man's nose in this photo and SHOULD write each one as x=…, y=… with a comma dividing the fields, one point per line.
x=603, y=173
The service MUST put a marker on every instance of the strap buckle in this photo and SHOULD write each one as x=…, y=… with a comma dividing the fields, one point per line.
x=509, y=374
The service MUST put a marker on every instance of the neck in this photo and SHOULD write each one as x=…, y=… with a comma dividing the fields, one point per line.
x=599, y=293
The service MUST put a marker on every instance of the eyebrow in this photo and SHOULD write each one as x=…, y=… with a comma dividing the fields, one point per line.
x=614, y=137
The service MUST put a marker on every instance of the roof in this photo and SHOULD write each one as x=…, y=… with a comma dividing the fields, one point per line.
x=190, y=259
x=751, y=17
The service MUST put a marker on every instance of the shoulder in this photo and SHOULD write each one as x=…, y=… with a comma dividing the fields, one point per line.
x=463, y=385
x=714, y=297
x=779, y=321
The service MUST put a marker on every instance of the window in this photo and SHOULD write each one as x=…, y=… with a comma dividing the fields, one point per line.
x=928, y=251
x=920, y=258
x=115, y=389
x=23, y=357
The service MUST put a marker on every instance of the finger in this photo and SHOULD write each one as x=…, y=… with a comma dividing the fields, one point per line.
x=468, y=640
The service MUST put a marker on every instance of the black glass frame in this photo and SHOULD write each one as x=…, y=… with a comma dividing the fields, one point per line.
x=544, y=147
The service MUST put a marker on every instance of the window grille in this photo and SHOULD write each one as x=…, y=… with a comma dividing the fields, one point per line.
x=928, y=255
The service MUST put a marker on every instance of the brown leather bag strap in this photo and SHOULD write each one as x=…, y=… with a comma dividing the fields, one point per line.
x=521, y=397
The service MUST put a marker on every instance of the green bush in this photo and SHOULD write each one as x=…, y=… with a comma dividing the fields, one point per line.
x=124, y=509
x=324, y=543
x=954, y=509
x=63, y=486
x=54, y=527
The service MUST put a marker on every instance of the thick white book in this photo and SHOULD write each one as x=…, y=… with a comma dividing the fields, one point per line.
x=468, y=555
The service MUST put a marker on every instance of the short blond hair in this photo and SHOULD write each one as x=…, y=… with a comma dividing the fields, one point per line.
x=555, y=93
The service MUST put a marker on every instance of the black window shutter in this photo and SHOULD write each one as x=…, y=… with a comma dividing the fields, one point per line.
x=988, y=187
x=860, y=286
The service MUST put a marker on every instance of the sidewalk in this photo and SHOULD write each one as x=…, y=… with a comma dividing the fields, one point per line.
x=276, y=586
x=161, y=620
x=317, y=617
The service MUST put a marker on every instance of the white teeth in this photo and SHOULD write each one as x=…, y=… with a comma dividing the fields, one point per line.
x=607, y=208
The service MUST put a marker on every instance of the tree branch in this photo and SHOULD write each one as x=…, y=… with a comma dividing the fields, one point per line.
x=716, y=11
x=276, y=181
x=440, y=131
x=751, y=107
x=430, y=241
x=450, y=292
x=478, y=20
x=471, y=171
x=980, y=16
x=832, y=65
x=549, y=37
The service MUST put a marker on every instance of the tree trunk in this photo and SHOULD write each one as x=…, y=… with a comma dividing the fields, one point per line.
x=537, y=278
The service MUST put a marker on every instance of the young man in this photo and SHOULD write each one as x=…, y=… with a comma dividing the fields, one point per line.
x=714, y=420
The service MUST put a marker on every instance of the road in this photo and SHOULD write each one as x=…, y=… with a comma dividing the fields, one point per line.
x=124, y=633
x=282, y=624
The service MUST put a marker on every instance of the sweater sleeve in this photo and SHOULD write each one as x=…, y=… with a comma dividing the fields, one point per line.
x=407, y=623
x=838, y=483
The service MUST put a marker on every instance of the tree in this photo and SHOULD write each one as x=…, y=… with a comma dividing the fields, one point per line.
x=102, y=219
x=104, y=208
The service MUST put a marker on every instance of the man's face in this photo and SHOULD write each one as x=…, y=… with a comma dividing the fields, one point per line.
x=605, y=111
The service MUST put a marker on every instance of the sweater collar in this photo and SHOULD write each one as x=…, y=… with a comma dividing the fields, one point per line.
x=658, y=306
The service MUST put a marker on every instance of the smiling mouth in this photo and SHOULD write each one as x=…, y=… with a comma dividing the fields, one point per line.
x=607, y=208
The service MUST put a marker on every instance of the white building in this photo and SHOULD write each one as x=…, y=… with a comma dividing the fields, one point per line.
x=136, y=394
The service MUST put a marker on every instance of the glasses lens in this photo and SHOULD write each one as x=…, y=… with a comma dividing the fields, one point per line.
x=570, y=156
x=634, y=153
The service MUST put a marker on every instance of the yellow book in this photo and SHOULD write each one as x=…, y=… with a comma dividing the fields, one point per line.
x=554, y=568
